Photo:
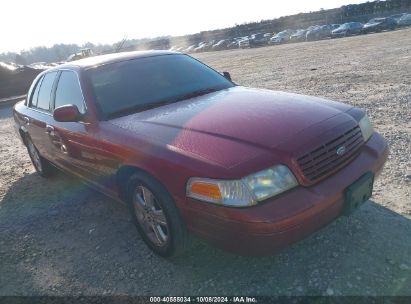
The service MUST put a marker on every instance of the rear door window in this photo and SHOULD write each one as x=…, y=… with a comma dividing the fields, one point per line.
x=44, y=95
x=69, y=92
x=35, y=95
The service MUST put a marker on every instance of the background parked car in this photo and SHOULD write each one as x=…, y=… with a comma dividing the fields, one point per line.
x=397, y=17
x=379, y=24
x=405, y=20
x=268, y=36
x=233, y=43
x=299, y=35
x=244, y=43
x=204, y=46
x=281, y=37
x=220, y=45
x=347, y=29
x=190, y=48
x=320, y=32
x=258, y=39
x=199, y=47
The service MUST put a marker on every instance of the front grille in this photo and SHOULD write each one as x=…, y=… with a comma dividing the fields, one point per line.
x=324, y=159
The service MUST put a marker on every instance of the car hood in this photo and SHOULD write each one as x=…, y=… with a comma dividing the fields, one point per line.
x=238, y=118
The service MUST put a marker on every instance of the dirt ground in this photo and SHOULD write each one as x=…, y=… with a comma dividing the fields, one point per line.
x=58, y=237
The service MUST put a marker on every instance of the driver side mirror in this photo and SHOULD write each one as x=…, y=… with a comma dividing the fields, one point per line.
x=227, y=75
x=67, y=113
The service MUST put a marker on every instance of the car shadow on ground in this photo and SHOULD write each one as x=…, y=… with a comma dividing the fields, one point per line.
x=59, y=237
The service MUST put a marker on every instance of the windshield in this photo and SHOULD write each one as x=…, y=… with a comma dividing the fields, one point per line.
x=130, y=86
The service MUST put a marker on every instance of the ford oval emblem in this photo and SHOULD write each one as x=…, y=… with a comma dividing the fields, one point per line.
x=341, y=150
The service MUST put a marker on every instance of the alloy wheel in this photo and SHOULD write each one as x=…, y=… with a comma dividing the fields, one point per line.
x=150, y=216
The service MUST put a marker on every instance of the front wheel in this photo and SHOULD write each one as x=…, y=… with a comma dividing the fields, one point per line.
x=156, y=216
x=42, y=166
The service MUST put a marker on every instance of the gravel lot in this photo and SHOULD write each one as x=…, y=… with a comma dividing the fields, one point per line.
x=58, y=237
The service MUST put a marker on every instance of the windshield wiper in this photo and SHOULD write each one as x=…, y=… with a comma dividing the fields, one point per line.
x=138, y=108
x=143, y=107
x=198, y=93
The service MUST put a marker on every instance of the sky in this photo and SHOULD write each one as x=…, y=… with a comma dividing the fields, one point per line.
x=27, y=24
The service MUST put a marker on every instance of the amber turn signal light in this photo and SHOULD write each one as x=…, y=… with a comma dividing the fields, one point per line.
x=206, y=190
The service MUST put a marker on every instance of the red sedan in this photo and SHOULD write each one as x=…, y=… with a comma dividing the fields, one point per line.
x=189, y=151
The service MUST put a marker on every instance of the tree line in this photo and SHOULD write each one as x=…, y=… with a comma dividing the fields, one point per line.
x=356, y=12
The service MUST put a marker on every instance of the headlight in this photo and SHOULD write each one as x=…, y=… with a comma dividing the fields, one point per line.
x=247, y=191
x=366, y=127
x=267, y=183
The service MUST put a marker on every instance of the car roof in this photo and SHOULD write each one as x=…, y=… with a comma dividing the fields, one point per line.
x=94, y=61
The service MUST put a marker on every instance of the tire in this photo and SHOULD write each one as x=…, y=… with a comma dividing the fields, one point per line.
x=156, y=216
x=43, y=167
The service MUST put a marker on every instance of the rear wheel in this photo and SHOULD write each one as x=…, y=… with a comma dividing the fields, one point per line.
x=156, y=216
x=42, y=166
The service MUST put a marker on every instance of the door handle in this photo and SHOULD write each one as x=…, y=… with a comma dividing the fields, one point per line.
x=26, y=120
x=49, y=129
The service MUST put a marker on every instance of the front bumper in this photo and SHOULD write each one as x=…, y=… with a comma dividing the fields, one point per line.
x=276, y=223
